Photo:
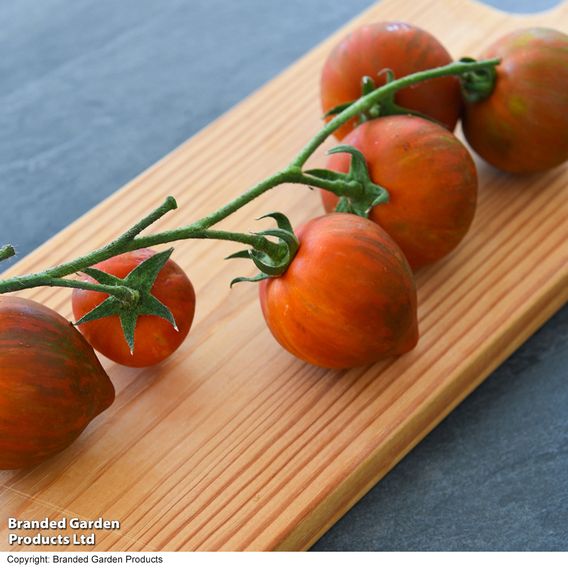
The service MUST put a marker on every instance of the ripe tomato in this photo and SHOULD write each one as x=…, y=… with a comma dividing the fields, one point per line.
x=347, y=299
x=51, y=383
x=404, y=49
x=155, y=339
x=522, y=127
x=431, y=179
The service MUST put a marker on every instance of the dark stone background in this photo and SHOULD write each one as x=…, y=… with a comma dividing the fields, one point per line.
x=95, y=91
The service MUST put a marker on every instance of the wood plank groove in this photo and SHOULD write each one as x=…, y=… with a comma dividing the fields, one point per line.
x=476, y=276
x=232, y=443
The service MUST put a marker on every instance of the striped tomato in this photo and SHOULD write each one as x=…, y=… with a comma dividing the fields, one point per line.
x=348, y=298
x=51, y=383
x=522, y=127
x=404, y=49
x=431, y=179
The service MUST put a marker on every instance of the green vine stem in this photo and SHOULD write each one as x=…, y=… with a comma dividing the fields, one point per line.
x=367, y=101
x=343, y=185
x=6, y=252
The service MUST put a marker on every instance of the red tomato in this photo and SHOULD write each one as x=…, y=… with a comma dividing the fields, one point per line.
x=404, y=49
x=522, y=127
x=431, y=179
x=348, y=298
x=51, y=383
x=155, y=339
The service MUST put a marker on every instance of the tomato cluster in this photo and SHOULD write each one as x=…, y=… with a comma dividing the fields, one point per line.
x=521, y=125
x=348, y=296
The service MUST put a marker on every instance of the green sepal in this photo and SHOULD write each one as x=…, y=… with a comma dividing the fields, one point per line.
x=389, y=107
x=140, y=280
x=358, y=170
x=338, y=109
x=477, y=85
x=145, y=274
x=389, y=73
x=287, y=236
x=153, y=307
x=103, y=277
x=343, y=206
x=109, y=307
x=256, y=278
x=239, y=254
x=263, y=262
x=328, y=175
x=288, y=245
x=384, y=197
x=271, y=258
x=128, y=321
x=281, y=220
x=275, y=266
x=359, y=201
x=367, y=85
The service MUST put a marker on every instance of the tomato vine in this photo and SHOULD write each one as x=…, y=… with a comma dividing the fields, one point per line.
x=357, y=193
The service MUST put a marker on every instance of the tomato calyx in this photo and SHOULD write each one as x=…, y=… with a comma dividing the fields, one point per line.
x=359, y=194
x=387, y=106
x=141, y=301
x=272, y=261
x=367, y=87
x=478, y=84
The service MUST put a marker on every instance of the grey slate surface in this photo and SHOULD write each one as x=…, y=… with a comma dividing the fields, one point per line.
x=94, y=91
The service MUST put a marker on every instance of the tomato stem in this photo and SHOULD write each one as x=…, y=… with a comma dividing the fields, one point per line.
x=40, y=279
x=190, y=232
x=266, y=253
x=367, y=101
x=477, y=84
x=6, y=252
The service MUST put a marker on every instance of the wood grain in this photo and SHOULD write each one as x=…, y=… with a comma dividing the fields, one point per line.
x=232, y=443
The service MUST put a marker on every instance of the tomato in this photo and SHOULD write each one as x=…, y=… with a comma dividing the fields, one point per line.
x=522, y=127
x=51, y=383
x=155, y=338
x=347, y=299
x=431, y=179
x=404, y=49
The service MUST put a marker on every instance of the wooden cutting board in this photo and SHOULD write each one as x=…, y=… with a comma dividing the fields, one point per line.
x=234, y=444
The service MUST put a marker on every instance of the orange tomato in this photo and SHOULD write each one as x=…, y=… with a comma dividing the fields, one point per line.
x=155, y=339
x=431, y=179
x=404, y=49
x=348, y=298
x=522, y=127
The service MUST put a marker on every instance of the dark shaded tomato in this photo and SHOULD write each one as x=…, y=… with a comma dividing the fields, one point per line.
x=348, y=298
x=404, y=49
x=51, y=383
x=155, y=339
x=431, y=179
x=522, y=127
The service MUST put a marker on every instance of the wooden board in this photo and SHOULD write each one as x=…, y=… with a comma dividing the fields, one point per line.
x=234, y=444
